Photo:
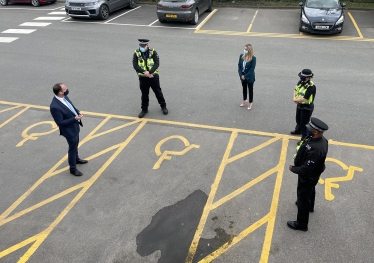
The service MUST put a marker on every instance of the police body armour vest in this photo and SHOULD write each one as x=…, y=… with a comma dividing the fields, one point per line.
x=150, y=62
x=301, y=90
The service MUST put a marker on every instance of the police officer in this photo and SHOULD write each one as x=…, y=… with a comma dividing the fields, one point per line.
x=309, y=163
x=303, y=96
x=146, y=63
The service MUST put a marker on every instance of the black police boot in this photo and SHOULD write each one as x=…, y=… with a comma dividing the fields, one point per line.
x=295, y=132
x=142, y=113
x=296, y=226
x=165, y=111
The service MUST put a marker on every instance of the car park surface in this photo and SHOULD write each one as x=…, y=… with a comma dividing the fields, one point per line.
x=228, y=167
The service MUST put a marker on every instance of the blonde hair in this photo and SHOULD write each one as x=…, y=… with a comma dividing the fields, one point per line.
x=248, y=57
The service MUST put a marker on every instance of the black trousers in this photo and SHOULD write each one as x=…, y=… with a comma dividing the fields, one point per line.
x=248, y=86
x=73, y=151
x=153, y=83
x=306, y=195
x=302, y=119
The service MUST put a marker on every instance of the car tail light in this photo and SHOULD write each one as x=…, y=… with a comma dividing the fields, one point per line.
x=186, y=6
x=159, y=5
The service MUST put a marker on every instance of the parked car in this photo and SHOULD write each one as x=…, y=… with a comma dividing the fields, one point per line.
x=95, y=8
x=182, y=10
x=33, y=2
x=322, y=16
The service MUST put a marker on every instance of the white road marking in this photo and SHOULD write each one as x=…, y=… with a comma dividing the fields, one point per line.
x=153, y=22
x=122, y=14
x=49, y=18
x=35, y=24
x=57, y=13
x=34, y=9
x=18, y=31
x=7, y=39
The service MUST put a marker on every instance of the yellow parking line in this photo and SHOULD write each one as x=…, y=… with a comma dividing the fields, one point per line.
x=206, y=20
x=253, y=19
x=355, y=24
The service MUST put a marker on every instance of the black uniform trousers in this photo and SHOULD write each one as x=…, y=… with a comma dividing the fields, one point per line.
x=73, y=152
x=302, y=119
x=246, y=85
x=153, y=83
x=306, y=194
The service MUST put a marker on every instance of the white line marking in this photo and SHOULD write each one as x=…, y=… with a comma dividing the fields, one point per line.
x=66, y=19
x=35, y=24
x=49, y=18
x=7, y=39
x=57, y=13
x=122, y=14
x=59, y=7
x=153, y=23
x=18, y=31
x=34, y=9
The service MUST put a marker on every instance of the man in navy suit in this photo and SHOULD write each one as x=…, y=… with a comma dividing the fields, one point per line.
x=68, y=118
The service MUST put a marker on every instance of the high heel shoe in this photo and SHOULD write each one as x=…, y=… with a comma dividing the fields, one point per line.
x=243, y=103
x=250, y=106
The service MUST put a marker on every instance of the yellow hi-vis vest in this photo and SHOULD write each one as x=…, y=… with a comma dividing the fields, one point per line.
x=150, y=62
x=301, y=90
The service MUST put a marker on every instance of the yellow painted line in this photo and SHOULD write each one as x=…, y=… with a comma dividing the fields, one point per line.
x=205, y=20
x=42, y=203
x=277, y=35
x=259, y=147
x=114, y=129
x=253, y=19
x=8, y=109
x=207, y=207
x=355, y=24
x=18, y=246
x=13, y=117
x=274, y=204
x=363, y=146
x=89, y=183
x=243, y=188
x=235, y=240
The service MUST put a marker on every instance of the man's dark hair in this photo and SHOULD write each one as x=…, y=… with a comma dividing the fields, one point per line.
x=57, y=88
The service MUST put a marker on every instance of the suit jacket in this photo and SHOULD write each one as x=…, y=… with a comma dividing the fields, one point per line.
x=65, y=118
x=249, y=70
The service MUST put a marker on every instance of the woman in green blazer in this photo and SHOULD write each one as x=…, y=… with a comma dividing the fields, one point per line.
x=246, y=70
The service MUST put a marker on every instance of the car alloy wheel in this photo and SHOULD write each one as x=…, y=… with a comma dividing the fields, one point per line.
x=104, y=12
x=195, y=19
x=3, y=2
x=35, y=2
x=132, y=4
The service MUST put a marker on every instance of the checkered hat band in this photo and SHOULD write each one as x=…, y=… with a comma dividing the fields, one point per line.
x=315, y=127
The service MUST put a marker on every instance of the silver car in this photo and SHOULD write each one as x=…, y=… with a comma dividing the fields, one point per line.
x=182, y=10
x=95, y=8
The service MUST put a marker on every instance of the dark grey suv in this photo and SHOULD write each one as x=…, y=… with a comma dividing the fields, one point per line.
x=182, y=10
x=95, y=8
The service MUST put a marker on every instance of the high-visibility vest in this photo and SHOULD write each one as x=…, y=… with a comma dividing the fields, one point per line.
x=301, y=90
x=306, y=139
x=150, y=62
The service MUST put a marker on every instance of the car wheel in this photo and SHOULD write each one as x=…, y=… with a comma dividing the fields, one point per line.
x=103, y=12
x=35, y=2
x=195, y=19
x=3, y=2
x=132, y=4
x=161, y=20
x=210, y=8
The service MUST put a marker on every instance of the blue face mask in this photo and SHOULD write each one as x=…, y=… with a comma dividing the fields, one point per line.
x=303, y=78
x=142, y=49
x=245, y=51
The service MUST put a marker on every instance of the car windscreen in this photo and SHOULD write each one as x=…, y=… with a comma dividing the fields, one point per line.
x=174, y=1
x=322, y=4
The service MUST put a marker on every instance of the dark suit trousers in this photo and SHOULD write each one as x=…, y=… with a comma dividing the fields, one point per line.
x=73, y=151
x=302, y=119
x=154, y=84
x=306, y=195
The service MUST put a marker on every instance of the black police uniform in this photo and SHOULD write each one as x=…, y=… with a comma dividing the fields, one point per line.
x=145, y=83
x=309, y=164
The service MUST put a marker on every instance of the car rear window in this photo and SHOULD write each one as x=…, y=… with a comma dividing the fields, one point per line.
x=322, y=4
x=174, y=1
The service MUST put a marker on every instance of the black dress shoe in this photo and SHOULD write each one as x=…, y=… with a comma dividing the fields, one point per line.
x=165, y=111
x=311, y=210
x=296, y=226
x=142, y=113
x=295, y=132
x=76, y=172
x=80, y=161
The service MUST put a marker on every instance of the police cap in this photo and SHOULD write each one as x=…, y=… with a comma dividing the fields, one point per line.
x=143, y=42
x=306, y=73
x=317, y=124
